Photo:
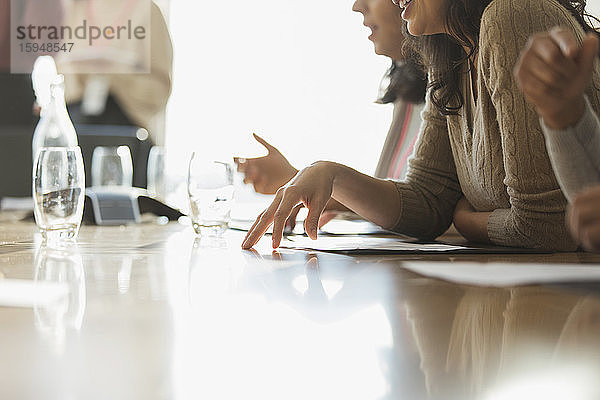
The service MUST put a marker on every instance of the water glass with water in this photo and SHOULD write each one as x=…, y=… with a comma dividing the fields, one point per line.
x=58, y=192
x=112, y=166
x=210, y=192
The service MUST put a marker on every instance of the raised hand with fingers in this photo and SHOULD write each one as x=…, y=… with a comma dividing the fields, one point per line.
x=553, y=71
x=268, y=173
x=312, y=187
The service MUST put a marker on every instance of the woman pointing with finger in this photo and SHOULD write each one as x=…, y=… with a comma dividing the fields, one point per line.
x=481, y=160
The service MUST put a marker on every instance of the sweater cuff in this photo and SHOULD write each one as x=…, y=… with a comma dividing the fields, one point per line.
x=497, y=225
x=579, y=133
x=408, y=220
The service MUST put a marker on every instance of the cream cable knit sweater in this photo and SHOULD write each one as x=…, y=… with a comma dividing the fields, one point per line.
x=575, y=153
x=494, y=151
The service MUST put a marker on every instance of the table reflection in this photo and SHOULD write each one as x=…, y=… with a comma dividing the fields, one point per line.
x=485, y=343
x=324, y=325
x=64, y=266
x=154, y=312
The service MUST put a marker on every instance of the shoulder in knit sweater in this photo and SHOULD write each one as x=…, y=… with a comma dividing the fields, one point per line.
x=524, y=18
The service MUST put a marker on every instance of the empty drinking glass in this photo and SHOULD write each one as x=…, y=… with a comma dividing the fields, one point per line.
x=210, y=191
x=112, y=166
x=156, y=172
x=58, y=192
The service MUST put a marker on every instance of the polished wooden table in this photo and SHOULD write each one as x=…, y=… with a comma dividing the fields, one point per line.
x=152, y=312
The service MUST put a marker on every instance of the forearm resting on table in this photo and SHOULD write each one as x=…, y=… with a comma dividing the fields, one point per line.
x=374, y=199
x=470, y=223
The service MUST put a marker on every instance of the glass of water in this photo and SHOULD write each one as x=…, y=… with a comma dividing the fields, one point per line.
x=112, y=166
x=210, y=191
x=58, y=192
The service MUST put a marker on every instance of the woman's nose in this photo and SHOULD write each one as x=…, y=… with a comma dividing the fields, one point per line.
x=359, y=6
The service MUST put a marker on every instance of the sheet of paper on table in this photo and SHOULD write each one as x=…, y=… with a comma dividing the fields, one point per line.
x=354, y=227
x=506, y=274
x=242, y=225
x=27, y=293
x=362, y=244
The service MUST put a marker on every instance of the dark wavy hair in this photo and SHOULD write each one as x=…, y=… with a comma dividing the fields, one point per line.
x=443, y=54
x=406, y=81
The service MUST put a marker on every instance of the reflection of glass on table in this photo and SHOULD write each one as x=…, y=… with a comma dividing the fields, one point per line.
x=64, y=266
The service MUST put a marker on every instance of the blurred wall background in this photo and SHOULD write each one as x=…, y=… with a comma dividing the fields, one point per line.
x=301, y=74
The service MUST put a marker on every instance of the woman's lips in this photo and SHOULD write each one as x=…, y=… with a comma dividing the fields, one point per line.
x=373, y=30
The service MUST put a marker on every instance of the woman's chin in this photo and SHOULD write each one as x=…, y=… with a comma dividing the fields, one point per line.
x=380, y=51
x=423, y=29
x=413, y=29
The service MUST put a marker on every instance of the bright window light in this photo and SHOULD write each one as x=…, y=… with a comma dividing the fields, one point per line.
x=301, y=74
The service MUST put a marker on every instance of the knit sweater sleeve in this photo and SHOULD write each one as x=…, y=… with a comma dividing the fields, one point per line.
x=575, y=152
x=536, y=216
x=431, y=189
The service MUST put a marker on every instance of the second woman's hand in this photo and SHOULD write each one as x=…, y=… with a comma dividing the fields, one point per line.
x=267, y=173
x=553, y=71
x=311, y=187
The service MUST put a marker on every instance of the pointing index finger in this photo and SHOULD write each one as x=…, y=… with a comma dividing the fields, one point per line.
x=261, y=224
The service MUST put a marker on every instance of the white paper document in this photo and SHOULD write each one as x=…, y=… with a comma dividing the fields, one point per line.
x=505, y=274
x=26, y=293
x=355, y=227
x=365, y=244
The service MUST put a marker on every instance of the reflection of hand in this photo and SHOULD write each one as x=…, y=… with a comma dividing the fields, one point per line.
x=268, y=173
x=583, y=219
x=311, y=187
x=553, y=72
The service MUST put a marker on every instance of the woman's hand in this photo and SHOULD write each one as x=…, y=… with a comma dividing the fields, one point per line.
x=471, y=223
x=583, y=219
x=553, y=71
x=311, y=187
x=332, y=209
x=268, y=173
